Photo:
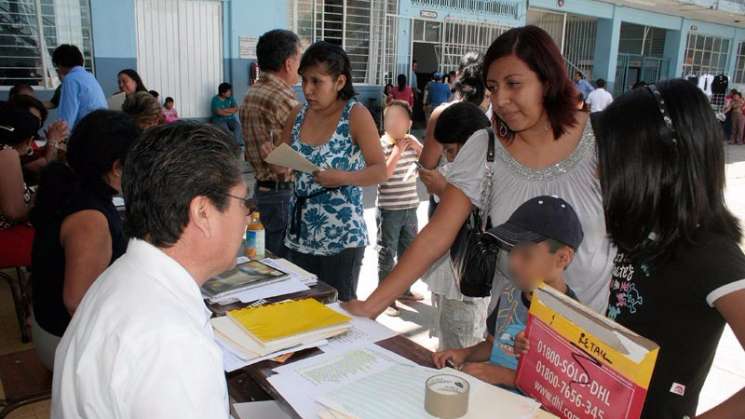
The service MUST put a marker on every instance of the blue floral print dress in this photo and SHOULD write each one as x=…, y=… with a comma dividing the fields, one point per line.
x=324, y=221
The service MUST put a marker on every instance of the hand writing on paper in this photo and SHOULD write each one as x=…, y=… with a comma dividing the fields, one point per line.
x=331, y=178
x=522, y=344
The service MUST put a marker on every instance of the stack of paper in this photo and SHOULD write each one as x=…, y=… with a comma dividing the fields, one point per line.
x=362, y=332
x=293, y=270
x=256, y=332
x=246, y=276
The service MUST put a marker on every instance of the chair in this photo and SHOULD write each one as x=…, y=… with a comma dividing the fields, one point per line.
x=15, y=253
x=24, y=379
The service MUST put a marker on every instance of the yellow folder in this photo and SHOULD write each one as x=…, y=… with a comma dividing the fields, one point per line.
x=281, y=320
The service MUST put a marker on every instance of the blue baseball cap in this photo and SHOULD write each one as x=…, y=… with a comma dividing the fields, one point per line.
x=540, y=219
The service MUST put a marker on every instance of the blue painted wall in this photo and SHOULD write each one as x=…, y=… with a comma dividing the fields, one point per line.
x=114, y=40
x=248, y=18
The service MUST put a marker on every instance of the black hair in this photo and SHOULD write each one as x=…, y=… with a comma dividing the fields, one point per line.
x=168, y=99
x=224, y=87
x=600, y=83
x=470, y=58
x=17, y=88
x=154, y=93
x=639, y=84
x=167, y=168
x=470, y=84
x=99, y=140
x=458, y=122
x=579, y=73
x=17, y=124
x=387, y=85
x=274, y=48
x=67, y=56
x=660, y=186
x=401, y=82
x=134, y=76
x=28, y=102
x=399, y=104
x=336, y=61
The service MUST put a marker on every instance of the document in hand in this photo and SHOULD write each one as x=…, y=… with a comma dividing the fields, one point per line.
x=285, y=156
x=116, y=101
x=581, y=364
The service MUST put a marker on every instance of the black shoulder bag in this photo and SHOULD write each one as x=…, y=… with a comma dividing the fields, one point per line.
x=474, y=260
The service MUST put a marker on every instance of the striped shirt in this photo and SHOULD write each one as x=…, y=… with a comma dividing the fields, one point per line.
x=399, y=191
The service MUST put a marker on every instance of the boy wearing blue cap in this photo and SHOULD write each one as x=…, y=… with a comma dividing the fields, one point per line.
x=541, y=237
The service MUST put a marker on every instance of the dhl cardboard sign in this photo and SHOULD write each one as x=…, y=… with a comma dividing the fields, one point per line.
x=582, y=365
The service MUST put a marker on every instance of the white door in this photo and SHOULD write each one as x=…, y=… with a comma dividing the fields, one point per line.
x=179, y=51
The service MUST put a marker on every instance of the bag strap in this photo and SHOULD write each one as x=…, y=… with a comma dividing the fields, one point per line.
x=487, y=188
x=491, y=146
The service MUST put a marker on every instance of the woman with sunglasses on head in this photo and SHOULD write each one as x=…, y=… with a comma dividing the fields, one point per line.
x=680, y=274
x=544, y=146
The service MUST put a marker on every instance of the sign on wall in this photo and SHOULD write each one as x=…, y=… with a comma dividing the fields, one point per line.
x=247, y=47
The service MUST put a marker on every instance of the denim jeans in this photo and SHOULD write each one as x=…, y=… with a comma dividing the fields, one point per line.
x=396, y=230
x=231, y=126
x=341, y=271
x=274, y=207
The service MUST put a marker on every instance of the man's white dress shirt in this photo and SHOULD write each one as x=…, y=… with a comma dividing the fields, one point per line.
x=599, y=99
x=140, y=345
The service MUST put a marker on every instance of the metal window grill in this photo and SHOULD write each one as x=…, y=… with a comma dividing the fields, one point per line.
x=30, y=30
x=705, y=54
x=361, y=27
x=740, y=64
x=575, y=36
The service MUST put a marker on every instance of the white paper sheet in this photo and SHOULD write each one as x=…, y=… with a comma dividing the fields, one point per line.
x=300, y=383
x=260, y=410
x=293, y=270
x=285, y=156
x=286, y=286
x=116, y=101
x=398, y=393
x=233, y=359
x=363, y=332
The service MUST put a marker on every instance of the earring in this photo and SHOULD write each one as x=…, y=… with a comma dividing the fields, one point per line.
x=503, y=130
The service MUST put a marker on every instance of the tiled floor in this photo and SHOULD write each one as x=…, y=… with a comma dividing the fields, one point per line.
x=726, y=377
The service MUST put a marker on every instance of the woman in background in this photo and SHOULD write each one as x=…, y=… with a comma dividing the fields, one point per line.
x=130, y=82
x=144, y=109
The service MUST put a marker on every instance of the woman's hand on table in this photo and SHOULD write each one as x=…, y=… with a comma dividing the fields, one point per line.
x=358, y=308
x=331, y=178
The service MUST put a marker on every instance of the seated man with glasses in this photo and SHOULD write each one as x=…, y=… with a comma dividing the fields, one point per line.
x=140, y=344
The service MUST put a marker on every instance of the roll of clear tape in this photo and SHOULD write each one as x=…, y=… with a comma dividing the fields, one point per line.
x=446, y=396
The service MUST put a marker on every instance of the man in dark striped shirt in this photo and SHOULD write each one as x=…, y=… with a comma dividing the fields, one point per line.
x=397, y=197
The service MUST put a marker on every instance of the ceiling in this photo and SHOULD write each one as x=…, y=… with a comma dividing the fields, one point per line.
x=726, y=12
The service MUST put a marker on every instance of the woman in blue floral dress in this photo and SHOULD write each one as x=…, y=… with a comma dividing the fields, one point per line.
x=327, y=233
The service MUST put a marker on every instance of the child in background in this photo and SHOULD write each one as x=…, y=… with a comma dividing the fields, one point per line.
x=397, y=197
x=169, y=111
x=541, y=236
